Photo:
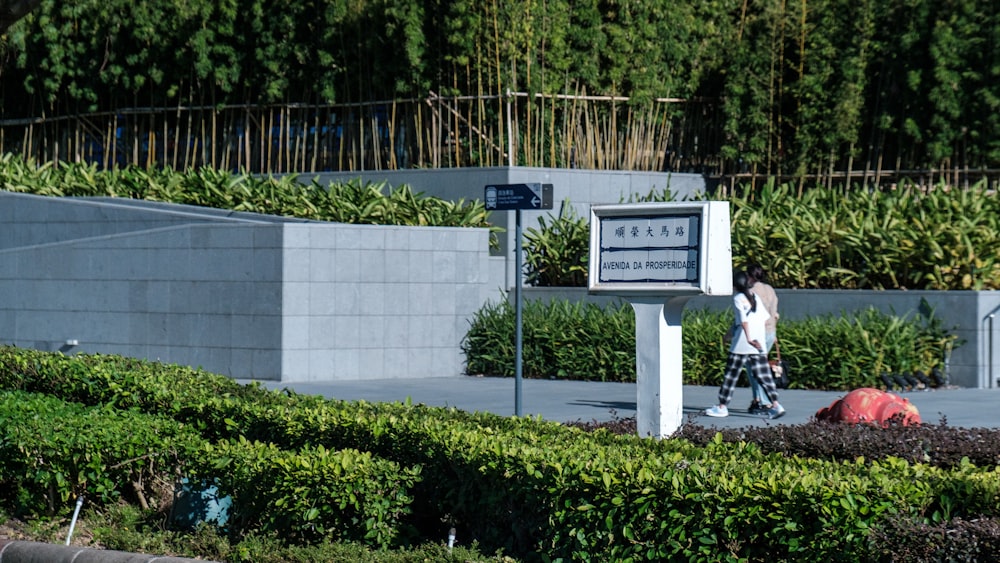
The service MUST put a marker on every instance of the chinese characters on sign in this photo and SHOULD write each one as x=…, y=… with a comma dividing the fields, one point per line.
x=518, y=196
x=649, y=249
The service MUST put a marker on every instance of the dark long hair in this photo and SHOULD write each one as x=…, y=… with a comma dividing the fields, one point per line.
x=741, y=281
x=756, y=271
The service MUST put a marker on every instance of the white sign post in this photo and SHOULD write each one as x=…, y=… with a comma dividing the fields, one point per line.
x=660, y=255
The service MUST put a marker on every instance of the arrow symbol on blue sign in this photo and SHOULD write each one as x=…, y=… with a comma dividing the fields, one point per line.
x=518, y=196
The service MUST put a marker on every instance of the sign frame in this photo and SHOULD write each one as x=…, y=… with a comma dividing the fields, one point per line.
x=529, y=196
x=712, y=273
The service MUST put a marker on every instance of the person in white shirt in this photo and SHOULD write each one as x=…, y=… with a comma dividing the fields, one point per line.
x=757, y=278
x=747, y=346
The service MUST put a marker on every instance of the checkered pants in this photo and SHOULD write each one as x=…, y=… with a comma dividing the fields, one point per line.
x=758, y=367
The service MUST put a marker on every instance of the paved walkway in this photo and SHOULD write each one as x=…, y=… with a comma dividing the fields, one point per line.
x=572, y=401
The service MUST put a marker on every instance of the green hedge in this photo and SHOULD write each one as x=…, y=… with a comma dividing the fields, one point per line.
x=544, y=491
x=311, y=494
x=103, y=447
x=581, y=340
x=52, y=451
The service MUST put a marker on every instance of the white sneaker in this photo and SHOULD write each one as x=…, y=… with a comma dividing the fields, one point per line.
x=777, y=411
x=717, y=411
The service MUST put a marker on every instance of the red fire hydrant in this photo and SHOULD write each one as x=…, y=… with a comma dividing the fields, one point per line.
x=870, y=405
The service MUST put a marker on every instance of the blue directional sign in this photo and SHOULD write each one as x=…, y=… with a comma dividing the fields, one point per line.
x=500, y=197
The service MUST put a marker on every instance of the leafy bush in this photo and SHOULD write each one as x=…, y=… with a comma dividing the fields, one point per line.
x=563, y=340
x=938, y=238
x=52, y=451
x=348, y=202
x=544, y=490
x=312, y=494
x=908, y=238
x=556, y=252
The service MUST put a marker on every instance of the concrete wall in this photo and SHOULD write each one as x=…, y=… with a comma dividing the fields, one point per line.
x=577, y=189
x=249, y=297
x=262, y=297
x=372, y=302
x=40, y=222
x=968, y=314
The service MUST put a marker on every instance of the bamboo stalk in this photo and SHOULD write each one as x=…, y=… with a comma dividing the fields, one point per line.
x=392, y=138
x=201, y=141
x=135, y=140
x=113, y=151
x=850, y=164
x=75, y=148
x=552, y=135
x=227, y=134
x=613, y=131
x=484, y=156
x=177, y=138
x=296, y=146
x=628, y=146
x=502, y=116
x=213, y=140
x=418, y=121
x=51, y=142
x=436, y=134
x=316, y=145
x=278, y=162
x=361, y=140
x=453, y=134
x=376, y=143
x=283, y=153
x=189, y=143
x=269, y=163
x=340, y=141
x=515, y=134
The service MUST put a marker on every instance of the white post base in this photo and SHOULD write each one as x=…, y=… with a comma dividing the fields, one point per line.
x=659, y=365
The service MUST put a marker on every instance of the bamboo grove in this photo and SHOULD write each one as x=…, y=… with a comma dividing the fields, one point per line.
x=862, y=89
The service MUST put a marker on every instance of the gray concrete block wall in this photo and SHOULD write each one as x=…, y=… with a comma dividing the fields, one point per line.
x=43, y=220
x=201, y=295
x=251, y=299
x=372, y=302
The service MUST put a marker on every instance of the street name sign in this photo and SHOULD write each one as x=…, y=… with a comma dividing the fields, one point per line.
x=661, y=248
x=501, y=197
x=660, y=255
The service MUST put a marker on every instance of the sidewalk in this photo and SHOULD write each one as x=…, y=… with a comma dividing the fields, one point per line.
x=582, y=401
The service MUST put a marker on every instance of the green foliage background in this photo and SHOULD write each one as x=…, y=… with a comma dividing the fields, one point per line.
x=801, y=87
x=583, y=341
x=940, y=238
x=348, y=202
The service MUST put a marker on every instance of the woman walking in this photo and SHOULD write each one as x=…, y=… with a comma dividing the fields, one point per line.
x=757, y=280
x=747, y=346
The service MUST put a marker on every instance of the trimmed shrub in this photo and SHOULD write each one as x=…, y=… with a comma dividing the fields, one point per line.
x=584, y=341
